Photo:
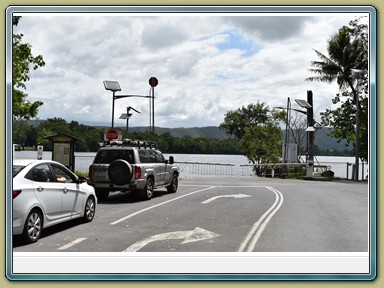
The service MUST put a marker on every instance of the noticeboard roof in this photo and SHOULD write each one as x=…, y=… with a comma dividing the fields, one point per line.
x=63, y=137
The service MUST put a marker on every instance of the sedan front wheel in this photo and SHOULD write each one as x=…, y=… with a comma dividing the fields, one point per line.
x=89, y=210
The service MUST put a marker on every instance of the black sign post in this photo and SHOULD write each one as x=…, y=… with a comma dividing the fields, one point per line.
x=153, y=83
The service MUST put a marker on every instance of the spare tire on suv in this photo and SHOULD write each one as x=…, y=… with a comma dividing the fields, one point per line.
x=120, y=172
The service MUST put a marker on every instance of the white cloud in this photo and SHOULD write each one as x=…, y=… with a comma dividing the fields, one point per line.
x=203, y=63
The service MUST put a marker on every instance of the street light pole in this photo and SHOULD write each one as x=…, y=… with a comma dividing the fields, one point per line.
x=285, y=160
x=127, y=117
x=287, y=125
x=112, y=86
x=311, y=134
x=310, y=130
x=113, y=108
x=127, y=125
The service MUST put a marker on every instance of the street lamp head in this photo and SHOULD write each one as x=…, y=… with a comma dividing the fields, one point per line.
x=125, y=116
x=293, y=109
x=303, y=103
x=112, y=86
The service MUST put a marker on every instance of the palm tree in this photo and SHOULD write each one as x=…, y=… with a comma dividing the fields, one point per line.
x=346, y=52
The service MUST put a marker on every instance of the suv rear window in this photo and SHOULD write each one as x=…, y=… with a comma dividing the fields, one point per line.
x=108, y=156
x=151, y=156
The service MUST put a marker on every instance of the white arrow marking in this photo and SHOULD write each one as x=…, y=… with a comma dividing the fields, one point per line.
x=198, y=234
x=225, y=196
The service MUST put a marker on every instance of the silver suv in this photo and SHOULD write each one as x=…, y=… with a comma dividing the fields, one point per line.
x=136, y=166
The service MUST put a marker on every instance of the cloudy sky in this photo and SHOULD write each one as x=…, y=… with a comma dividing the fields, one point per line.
x=206, y=65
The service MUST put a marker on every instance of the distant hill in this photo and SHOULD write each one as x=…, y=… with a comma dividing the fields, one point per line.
x=322, y=140
x=325, y=142
x=210, y=131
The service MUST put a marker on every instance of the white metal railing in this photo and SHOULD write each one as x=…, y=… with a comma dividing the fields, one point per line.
x=344, y=169
x=206, y=168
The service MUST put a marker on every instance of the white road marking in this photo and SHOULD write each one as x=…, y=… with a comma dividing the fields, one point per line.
x=74, y=242
x=225, y=196
x=160, y=204
x=198, y=234
x=253, y=236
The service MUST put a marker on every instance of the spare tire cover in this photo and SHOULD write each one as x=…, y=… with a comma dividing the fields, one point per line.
x=120, y=172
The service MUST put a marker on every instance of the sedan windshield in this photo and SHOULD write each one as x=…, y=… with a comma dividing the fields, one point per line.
x=16, y=169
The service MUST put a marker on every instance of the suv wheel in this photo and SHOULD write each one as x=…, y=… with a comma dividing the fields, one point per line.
x=147, y=193
x=120, y=172
x=172, y=188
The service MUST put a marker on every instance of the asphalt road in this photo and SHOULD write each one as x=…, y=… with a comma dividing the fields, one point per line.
x=223, y=214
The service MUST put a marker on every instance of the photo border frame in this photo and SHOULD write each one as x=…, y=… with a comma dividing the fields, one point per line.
x=198, y=9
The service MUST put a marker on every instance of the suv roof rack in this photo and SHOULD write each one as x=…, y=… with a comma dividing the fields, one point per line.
x=131, y=143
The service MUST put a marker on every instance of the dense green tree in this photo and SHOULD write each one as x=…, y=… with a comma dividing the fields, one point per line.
x=22, y=62
x=262, y=144
x=235, y=122
x=23, y=133
x=347, y=50
x=256, y=127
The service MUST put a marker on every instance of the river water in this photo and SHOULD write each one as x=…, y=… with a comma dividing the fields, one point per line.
x=339, y=165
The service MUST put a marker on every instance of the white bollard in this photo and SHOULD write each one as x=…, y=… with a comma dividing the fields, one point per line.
x=39, y=152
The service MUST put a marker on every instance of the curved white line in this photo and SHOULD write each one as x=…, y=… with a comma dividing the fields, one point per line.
x=251, y=247
x=257, y=228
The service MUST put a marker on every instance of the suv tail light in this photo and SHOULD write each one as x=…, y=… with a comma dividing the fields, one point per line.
x=90, y=171
x=15, y=193
x=137, y=172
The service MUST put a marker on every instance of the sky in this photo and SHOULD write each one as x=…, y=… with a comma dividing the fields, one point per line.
x=206, y=65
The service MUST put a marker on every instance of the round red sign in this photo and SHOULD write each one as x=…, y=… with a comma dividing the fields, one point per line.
x=153, y=81
x=112, y=134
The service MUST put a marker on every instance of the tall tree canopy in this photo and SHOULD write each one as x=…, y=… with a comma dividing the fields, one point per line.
x=257, y=129
x=22, y=62
x=347, y=50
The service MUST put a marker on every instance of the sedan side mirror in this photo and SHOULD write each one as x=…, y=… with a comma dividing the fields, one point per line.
x=81, y=179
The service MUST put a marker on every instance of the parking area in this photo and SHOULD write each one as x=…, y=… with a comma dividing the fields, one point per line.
x=226, y=214
x=231, y=217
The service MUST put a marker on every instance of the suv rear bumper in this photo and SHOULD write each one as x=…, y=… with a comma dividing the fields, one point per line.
x=138, y=184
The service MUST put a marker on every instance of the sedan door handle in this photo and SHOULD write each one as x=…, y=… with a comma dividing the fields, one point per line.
x=65, y=190
x=40, y=189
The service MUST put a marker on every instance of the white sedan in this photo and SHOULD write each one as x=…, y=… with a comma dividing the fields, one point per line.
x=46, y=193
